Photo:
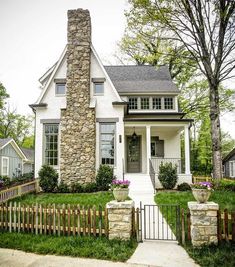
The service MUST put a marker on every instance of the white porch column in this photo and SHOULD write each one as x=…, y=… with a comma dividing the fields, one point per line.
x=148, y=145
x=187, y=149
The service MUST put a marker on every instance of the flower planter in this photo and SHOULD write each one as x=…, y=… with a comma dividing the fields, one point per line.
x=120, y=194
x=201, y=195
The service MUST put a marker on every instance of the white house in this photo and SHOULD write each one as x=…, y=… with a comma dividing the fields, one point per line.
x=89, y=114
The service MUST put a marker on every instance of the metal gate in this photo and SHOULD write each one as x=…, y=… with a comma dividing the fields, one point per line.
x=159, y=222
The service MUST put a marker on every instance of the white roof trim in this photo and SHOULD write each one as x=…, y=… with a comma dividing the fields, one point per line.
x=105, y=73
x=52, y=75
x=47, y=73
x=16, y=147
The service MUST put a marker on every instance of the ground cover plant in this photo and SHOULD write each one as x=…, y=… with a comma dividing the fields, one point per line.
x=86, y=199
x=87, y=247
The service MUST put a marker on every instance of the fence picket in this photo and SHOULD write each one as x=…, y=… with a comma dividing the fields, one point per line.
x=19, y=217
x=106, y=224
x=23, y=218
x=45, y=219
x=32, y=219
x=94, y=221
x=69, y=219
x=54, y=219
x=79, y=218
x=74, y=218
x=233, y=225
x=6, y=215
x=100, y=220
x=89, y=220
x=63, y=219
x=84, y=220
x=27, y=210
x=58, y=218
x=40, y=218
x=10, y=217
x=226, y=224
x=36, y=219
x=188, y=225
x=182, y=227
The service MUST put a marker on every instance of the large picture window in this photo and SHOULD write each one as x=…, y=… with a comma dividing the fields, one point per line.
x=107, y=143
x=51, y=132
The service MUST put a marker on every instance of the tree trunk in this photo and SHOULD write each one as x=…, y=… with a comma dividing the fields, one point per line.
x=215, y=131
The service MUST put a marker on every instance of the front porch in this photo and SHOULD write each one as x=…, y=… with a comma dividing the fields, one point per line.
x=149, y=145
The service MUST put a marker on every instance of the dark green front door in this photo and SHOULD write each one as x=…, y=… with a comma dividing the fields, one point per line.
x=133, y=155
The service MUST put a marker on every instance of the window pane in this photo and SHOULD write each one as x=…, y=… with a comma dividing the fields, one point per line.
x=157, y=103
x=51, y=144
x=60, y=88
x=107, y=143
x=99, y=88
x=133, y=103
x=168, y=102
x=144, y=103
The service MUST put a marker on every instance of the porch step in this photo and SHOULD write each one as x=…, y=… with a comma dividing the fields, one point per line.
x=140, y=183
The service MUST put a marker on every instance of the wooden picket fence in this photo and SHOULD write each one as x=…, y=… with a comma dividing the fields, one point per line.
x=51, y=219
x=225, y=226
x=18, y=190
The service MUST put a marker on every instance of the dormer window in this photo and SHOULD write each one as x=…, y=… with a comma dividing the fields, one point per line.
x=161, y=103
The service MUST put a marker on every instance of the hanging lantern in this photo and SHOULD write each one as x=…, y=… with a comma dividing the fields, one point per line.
x=134, y=136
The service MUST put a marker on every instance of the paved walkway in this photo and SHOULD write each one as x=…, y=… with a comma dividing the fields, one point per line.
x=15, y=258
x=158, y=253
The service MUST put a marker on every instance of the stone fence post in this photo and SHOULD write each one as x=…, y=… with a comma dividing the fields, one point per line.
x=203, y=223
x=120, y=219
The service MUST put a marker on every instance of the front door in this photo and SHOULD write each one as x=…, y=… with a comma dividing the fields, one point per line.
x=133, y=155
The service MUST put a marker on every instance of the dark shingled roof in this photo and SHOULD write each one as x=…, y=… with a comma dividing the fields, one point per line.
x=29, y=153
x=141, y=78
x=4, y=141
x=229, y=155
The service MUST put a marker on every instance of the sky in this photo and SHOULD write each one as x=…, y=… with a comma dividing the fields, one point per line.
x=33, y=36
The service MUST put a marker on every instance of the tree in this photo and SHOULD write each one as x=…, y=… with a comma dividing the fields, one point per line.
x=16, y=126
x=206, y=30
x=3, y=95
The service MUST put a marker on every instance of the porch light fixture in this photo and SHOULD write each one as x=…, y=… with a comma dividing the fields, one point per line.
x=134, y=136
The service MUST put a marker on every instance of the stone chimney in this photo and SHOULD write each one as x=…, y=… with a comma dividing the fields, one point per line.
x=77, y=142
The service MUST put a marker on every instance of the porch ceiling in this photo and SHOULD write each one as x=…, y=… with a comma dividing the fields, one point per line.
x=156, y=128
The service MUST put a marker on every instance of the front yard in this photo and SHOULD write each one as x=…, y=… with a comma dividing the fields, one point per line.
x=83, y=199
x=208, y=256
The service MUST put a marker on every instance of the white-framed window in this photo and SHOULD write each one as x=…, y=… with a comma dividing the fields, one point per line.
x=60, y=89
x=107, y=143
x=157, y=103
x=133, y=103
x=168, y=103
x=98, y=88
x=51, y=137
x=232, y=168
x=151, y=103
x=5, y=166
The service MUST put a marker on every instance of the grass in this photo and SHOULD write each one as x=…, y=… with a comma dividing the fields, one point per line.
x=224, y=199
x=213, y=256
x=86, y=199
x=208, y=256
x=87, y=247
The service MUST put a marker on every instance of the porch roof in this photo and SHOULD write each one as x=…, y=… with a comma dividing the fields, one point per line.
x=156, y=120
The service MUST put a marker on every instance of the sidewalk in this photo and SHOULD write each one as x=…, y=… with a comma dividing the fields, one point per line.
x=15, y=258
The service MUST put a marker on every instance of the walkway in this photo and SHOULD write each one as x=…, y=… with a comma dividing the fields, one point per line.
x=156, y=253
x=15, y=258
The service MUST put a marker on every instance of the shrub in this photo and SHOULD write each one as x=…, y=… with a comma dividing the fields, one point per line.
x=62, y=188
x=48, y=178
x=90, y=188
x=184, y=187
x=168, y=175
x=226, y=185
x=5, y=180
x=77, y=188
x=104, y=177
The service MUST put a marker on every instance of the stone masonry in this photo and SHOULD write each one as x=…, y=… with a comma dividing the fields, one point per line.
x=120, y=219
x=203, y=223
x=77, y=144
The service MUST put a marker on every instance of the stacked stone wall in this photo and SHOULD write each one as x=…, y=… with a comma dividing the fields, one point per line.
x=77, y=143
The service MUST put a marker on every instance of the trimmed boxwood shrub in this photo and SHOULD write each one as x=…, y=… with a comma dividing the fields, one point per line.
x=104, y=177
x=48, y=178
x=62, y=188
x=184, y=187
x=168, y=175
x=226, y=185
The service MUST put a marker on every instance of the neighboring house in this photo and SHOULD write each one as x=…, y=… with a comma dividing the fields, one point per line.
x=229, y=164
x=89, y=114
x=29, y=163
x=13, y=161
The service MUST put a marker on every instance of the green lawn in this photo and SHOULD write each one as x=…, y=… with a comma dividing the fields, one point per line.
x=224, y=199
x=86, y=199
x=87, y=247
x=209, y=256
